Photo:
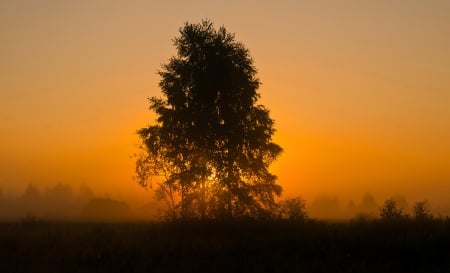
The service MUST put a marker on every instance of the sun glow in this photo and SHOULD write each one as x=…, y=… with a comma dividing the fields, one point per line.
x=358, y=92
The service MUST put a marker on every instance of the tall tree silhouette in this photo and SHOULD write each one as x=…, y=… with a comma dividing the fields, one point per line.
x=212, y=143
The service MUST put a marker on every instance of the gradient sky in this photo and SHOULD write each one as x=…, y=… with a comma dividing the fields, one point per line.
x=359, y=90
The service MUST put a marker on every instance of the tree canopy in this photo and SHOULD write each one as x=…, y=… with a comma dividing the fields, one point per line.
x=211, y=145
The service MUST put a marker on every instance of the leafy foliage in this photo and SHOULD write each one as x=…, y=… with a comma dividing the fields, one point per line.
x=391, y=211
x=211, y=146
x=421, y=211
x=293, y=209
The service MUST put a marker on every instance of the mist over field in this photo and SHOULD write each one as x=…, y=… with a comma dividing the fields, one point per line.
x=63, y=202
x=225, y=136
x=358, y=92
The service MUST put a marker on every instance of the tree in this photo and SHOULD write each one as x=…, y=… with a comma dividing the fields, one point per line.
x=391, y=211
x=421, y=211
x=31, y=193
x=293, y=209
x=211, y=146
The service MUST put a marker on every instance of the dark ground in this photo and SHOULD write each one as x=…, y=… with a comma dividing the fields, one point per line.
x=265, y=246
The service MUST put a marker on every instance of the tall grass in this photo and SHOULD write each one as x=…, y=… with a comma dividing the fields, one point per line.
x=239, y=246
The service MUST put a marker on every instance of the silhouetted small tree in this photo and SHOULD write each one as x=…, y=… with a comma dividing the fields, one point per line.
x=31, y=193
x=421, y=211
x=60, y=193
x=293, y=209
x=211, y=146
x=391, y=211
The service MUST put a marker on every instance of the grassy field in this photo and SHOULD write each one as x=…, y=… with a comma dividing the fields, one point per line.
x=263, y=246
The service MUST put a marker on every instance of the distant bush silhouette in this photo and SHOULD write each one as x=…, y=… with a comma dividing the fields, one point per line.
x=326, y=206
x=105, y=209
x=293, y=209
x=31, y=193
x=59, y=193
x=212, y=143
x=421, y=211
x=391, y=211
x=30, y=221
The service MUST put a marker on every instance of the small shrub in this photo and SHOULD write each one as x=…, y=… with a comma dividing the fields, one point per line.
x=30, y=221
x=293, y=209
x=421, y=211
x=391, y=211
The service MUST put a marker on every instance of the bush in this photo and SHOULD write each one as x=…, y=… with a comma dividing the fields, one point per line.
x=421, y=211
x=391, y=211
x=293, y=209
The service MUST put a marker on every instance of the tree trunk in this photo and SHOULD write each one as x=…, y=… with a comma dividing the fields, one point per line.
x=203, y=201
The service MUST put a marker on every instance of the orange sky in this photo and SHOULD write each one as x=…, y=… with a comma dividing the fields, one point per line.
x=360, y=90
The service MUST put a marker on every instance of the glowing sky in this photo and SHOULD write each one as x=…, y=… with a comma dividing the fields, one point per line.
x=359, y=90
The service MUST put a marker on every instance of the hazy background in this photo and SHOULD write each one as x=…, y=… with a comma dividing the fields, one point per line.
x=359, y=90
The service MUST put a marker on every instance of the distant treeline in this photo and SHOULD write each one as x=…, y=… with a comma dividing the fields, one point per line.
x=60, y=202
